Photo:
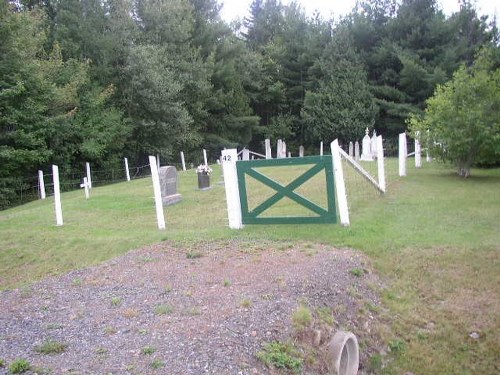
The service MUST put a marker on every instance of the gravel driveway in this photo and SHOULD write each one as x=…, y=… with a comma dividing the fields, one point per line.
x=167, y=309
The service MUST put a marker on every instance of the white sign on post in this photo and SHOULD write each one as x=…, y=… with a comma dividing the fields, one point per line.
x=157, y=192
x=229, y=158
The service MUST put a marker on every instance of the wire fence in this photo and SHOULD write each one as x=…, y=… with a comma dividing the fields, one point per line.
x=25, y=190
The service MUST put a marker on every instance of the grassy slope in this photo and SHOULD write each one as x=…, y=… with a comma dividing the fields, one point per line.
x=433, y=236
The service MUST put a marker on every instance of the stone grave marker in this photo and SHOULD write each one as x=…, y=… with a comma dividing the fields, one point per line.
x=168, y=185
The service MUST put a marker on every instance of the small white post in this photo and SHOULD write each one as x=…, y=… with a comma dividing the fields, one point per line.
x=41, y=185
x=229, y=158
x=157, y=192
x=85, y=185
x=321, y=148
x=418, y=152
x=89, y=177
x=402, y=154
x=380, y=163
x=127, y=172
x=338, y=176
x=183, y=161
x=57, y=195
x=205, y=157
x=268, y=149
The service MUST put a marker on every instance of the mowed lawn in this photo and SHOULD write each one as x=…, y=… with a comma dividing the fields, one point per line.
x=433, y=238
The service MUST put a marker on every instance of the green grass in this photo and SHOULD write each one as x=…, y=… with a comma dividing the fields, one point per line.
x=51, y=347
x=433, y=237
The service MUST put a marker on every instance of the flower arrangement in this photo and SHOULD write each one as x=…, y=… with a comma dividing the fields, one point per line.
x=205, y=169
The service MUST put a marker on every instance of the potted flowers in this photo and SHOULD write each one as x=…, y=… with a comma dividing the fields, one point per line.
x=203, y=172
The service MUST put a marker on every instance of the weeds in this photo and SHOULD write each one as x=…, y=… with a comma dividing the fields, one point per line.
x=51, y=347
x=302, y=318
x=19, y=366
x=148, y=350
x=246, y=303
x=281, y=356
x=156, y=364
x=163, y=309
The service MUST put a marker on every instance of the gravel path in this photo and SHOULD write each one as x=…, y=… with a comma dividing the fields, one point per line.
x=167, y=310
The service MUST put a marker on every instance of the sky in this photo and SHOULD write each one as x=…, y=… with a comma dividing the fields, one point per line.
x=233, y=9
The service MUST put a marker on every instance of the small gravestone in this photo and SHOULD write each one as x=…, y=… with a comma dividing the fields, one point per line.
x=168, y=185
x=301, y=151
x=356, y=151
x=351, y=150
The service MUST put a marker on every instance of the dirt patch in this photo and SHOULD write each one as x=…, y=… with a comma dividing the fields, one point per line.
x=206, y=309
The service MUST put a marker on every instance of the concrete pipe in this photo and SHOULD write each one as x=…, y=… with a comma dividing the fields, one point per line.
x=343, y=354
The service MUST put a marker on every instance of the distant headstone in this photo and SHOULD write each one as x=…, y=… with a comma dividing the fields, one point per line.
x=301, y=151
x=246, y=154
x=366, y=153
x=279, y=147
x=268, y=149
x=351, y=150
x=356, y=151
x=373, y=144
x=168, y=185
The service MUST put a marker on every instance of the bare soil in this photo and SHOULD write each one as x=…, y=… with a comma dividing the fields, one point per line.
x=202, y=309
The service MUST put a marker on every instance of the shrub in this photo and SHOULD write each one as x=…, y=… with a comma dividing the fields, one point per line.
x=51, y=347
x=302, y=318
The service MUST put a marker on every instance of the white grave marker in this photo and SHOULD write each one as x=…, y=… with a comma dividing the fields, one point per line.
x=402, y=154
x=366, y=153
x=85, y=185
x=268, y=149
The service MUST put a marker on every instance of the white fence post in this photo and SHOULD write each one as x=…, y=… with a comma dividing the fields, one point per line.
x=127, y=172
x=183, y=161
x=380, y=163
x=205, y=157
x=157, y=192
x=418, y=151
x=402, y=154
x=57, y=195
x=41, y=185
x=338, y=175
x=229, y=158
x=89, y=177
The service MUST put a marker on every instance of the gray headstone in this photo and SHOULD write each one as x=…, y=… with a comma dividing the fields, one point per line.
x=356, y=151
x=301, y=151
x=351, y=150
x=168, y=185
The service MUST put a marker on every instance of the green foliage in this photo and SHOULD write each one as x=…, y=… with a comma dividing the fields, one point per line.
x=19, y=366
x=51, y=347
x=148, y=350
x=281, y=356
x=157, y=363
x=461, y=122
x=163, y=309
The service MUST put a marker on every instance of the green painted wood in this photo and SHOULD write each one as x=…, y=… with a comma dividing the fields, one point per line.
x=318, y=164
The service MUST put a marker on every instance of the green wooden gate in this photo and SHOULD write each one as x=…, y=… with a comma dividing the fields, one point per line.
x=317, y=163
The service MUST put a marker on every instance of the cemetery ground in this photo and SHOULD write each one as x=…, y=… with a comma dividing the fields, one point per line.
x=416, y=274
